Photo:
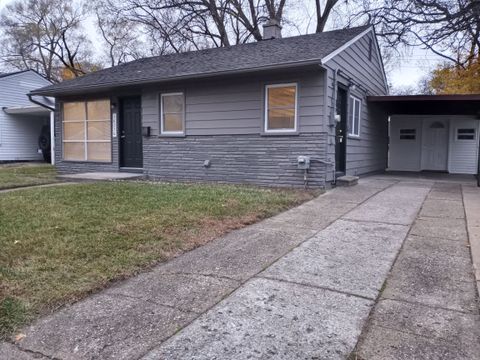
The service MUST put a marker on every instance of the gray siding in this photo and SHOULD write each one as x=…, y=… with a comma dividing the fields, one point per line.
x=19, y=133
x=247, y=159
x=369, y=152
x=224, y=123
x=230, y=107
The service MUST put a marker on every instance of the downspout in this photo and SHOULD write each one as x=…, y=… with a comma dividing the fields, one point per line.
x=333, y=121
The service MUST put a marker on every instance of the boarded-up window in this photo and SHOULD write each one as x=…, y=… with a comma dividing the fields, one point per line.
x=281, y=108
x=172, y=113
x=354, y=116
x=408, y=134
x=466, y=134
x=87, y=131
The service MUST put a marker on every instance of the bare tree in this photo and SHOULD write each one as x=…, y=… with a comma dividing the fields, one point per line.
x=119, y=35
x=422, y=87
x=450, y=29
x=323, y=13
x=179, y=25
x=45, y=35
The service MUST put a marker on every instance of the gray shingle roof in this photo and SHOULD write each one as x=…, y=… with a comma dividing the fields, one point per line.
x=256, y=56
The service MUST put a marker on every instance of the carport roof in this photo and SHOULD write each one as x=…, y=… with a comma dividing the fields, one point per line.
x=33, y=110
x=428, y=104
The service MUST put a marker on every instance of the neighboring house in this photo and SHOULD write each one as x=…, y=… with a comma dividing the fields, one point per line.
x=242, y=114
x=22, y=119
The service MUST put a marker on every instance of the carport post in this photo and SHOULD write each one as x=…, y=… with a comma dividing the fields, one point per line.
x=52, y=137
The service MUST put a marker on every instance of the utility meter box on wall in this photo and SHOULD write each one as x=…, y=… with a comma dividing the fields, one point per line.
x=303, y=162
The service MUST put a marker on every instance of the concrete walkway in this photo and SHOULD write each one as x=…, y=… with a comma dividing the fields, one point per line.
x=429, y=306
x=300, y=285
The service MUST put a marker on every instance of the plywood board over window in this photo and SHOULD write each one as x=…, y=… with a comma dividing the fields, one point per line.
x=87, y=131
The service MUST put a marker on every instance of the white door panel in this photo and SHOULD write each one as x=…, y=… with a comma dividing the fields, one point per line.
x=435, y=145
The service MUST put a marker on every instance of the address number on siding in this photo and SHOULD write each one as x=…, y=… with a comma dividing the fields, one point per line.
x=114, y=125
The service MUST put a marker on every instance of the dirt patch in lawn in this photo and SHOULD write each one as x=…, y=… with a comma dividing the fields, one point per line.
x=60, y=244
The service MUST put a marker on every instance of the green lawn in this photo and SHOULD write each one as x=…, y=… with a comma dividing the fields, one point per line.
x=18, y=175
x=59, y=244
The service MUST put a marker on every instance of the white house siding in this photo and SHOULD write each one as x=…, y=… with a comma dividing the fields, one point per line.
x=19, y=134
x=406, y=155
x=368, y=153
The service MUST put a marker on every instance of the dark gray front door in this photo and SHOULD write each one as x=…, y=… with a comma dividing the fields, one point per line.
x=131, y=151
x=341, y=132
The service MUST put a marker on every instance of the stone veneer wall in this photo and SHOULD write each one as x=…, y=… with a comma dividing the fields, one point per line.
x=245, y=159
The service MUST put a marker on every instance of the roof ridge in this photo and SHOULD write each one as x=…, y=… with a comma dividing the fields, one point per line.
x=231, y=47
x=253, y=43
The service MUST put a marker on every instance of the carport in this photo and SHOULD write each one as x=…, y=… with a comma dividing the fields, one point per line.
x=32, y=119
x=432, y=132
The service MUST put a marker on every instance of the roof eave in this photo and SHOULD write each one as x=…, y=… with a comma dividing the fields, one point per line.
x=447, y=97
x=345, y=46
x=109, y=86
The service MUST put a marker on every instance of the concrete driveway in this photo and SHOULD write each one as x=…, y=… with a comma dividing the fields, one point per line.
x=382, y=270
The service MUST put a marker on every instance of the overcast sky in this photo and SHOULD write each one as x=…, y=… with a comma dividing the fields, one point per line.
x=407, y=70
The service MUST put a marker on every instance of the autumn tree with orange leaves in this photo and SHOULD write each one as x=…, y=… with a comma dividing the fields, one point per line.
x=456, y=79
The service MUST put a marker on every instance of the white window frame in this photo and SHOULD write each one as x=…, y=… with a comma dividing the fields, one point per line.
x=351, y=131
x=162, y=131
x=280, y=131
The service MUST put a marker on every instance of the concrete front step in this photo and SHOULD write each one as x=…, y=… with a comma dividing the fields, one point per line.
x=347, y=180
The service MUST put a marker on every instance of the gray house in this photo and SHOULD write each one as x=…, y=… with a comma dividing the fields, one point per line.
x=243, y=114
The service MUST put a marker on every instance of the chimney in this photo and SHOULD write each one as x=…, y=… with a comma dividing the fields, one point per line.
x=272, y=30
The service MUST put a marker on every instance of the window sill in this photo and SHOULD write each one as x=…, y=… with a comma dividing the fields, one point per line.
x=88, y=162
x=280, y=133
x=354, y=137
x=172, y=135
